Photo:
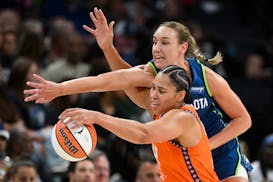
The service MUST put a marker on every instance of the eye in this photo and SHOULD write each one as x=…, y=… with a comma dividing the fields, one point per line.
x=161, y=91
x=165, y=42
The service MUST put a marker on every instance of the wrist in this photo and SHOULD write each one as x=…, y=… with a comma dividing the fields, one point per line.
x=108, y=49
x=62, y=88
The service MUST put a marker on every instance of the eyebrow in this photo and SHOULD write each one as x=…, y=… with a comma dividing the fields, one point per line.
x=161, y=88
x=151, y=174
x=161, y=37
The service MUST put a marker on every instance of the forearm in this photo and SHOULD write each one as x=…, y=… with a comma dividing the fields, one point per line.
x=235, y=128
x=82, y=85
x=130, y=130
x=114, y=59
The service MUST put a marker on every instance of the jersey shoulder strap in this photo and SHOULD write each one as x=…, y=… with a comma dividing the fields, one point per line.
x=152, y=65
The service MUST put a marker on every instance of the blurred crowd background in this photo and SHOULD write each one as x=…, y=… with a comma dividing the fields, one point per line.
x=46, y=37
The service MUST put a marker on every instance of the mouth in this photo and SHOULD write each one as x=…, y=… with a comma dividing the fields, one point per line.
x=154, y=105
x=159, y=61
x=158, y=58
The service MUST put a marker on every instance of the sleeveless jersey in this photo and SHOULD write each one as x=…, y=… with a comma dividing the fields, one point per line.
x=203, y=101
x=179, y=163
x=212, y=120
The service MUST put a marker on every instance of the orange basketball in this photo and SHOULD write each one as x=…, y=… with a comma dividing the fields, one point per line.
x=73, y=145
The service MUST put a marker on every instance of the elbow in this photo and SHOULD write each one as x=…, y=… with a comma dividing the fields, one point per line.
x=248, y=122
x=143, y=137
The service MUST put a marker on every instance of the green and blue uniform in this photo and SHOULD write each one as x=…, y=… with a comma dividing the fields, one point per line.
x=227, y=157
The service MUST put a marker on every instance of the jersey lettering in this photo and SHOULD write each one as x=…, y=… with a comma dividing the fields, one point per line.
x=200, y=103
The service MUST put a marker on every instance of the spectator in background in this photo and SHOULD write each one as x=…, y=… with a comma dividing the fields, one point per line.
x=56, y=40
x=4, y=158
x=172, y=10
x=10, y=24
x=9, y=48
x=32, y=114
x=82, y=171
x=148, y=171
x=73, y=63
x=32, y=25
x=20, y=146
x=31, y=43
x=20, y=171
x=263, y=166
x=10, y=19
x=255, y=68
x=102, y=166
x=9, y=116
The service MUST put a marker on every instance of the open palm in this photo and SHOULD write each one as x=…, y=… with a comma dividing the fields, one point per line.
x=43, y=91
x=103, y=32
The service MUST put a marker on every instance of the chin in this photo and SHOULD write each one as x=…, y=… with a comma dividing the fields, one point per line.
x=160, y=64
x=155, y=111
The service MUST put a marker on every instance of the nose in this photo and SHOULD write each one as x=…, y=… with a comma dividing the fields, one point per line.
x=153, y=94
x=156, y=47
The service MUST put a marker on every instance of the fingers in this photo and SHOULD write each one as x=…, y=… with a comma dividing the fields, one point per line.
x=41, y=100
x=75, y=125
x=39, y=78
x=33, y=95
x=34, y=84
x=88, y=29
x=93, y=18
x=71, y=118
x=100, y=16
x=111, y=26
x=31, y=91
x=31, y=98
x=66, y=114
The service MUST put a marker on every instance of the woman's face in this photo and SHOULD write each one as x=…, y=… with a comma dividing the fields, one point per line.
x=166, y=49
x=25, y=174
x=164, y=96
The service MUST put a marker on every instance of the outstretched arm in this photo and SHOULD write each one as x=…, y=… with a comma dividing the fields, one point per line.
x=168, y=127
x=104, y=35
x=231, y=105
x=44, y=91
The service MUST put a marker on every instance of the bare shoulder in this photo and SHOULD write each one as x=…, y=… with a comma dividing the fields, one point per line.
x=214, y=78
x=178, y=115
x=217, y=84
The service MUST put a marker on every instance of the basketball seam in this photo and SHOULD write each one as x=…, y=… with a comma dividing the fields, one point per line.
x=77, y=140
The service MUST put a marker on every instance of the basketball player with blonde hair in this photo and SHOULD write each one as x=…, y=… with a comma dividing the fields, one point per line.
x=172, y=45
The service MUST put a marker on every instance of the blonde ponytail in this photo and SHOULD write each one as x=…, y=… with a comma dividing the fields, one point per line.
x=216, y=59
x=195, y=52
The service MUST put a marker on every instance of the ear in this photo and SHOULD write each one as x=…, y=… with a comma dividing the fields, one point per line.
x=180, y=96
x=183, y=48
